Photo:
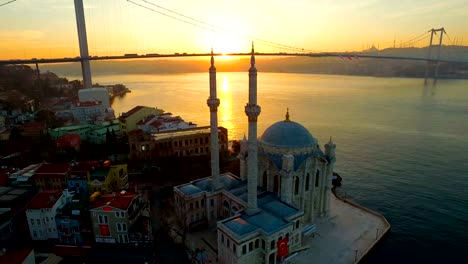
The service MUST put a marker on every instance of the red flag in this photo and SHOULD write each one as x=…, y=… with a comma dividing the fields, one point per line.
x=104, y=230
x=282, y=246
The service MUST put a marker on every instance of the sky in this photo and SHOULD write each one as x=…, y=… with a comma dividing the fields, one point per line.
x=47, y=28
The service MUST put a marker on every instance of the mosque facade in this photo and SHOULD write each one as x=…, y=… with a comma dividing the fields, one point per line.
x=283, y=188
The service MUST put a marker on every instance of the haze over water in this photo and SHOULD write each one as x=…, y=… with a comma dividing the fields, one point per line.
x=402, y=147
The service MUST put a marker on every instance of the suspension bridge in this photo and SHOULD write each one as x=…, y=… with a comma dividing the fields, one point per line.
x=433, y=57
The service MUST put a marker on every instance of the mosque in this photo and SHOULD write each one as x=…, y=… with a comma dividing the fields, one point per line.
x=283, y=188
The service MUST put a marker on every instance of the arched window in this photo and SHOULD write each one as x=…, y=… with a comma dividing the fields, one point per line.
x=264, y=180
x=296, y=185
x=307, y=182
x=276, y=184
x=317, y=174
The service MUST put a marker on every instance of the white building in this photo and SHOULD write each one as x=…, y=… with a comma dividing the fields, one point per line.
x=95, y=95
x=163, y=123
x=41, y=213
x=283, y=188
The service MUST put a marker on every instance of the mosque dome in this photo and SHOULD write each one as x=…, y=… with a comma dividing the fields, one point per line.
x=287, y=134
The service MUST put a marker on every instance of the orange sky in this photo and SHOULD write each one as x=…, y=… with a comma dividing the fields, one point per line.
x=47, y=28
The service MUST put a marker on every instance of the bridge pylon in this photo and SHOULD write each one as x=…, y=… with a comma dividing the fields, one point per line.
x=431, y=62
x=83, y=41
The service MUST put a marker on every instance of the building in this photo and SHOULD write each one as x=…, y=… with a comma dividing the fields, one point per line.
x=163, y=123
x=180, y=143
x=41, y=212
x=24, y=177
x=282, y=190
x=88, y=132
x=51, y=176
x=73, y=222
x=95, y=94
x=79, y=177
x=130, y=119
x=121, y=217
x=13, y=198
x=108, y=178
x=6, y=225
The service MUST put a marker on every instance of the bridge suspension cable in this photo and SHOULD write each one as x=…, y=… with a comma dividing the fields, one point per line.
x=415, y=39
x=213, y=28
x=9, y=2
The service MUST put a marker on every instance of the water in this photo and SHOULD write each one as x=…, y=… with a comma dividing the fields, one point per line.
x=401, y=147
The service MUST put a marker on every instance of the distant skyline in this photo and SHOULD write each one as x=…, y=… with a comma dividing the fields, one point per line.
x=45, y=29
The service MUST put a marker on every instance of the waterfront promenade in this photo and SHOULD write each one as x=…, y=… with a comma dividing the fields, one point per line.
x=345, y=237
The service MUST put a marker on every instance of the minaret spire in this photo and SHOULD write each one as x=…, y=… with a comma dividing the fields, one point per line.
x=287, y=115
x=252, y=110
x=213, y=103
x=252, y=57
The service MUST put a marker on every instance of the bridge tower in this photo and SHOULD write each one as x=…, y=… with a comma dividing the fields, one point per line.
x=430, y=61
x=83, y=41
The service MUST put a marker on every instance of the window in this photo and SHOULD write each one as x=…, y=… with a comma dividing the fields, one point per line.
x=264, y=180
x=263, y=244
x=222, y=238
x=197, y=204
x=228, y=242
x=257, y=243
x=211, y=202
x=124, y=227
x=296, y=186
x=38, y=222
x=100, y=219
x=297, y=224
x=34, y=233
x=125, y=238
x=250, y=246
x=50, y=230
x=32, y=222
x=317, y=178
x=272, y=244
x=191, y=205
x=203, y=202
x=234, y=248
x=119, y=227
x=47, y=219
x=276, y=184
x=244, y=249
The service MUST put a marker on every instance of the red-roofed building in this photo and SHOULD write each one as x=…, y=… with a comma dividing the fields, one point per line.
x=130, y=119
x=69, y=141
x=51, y=176
x=117, y=216
x=41, y=212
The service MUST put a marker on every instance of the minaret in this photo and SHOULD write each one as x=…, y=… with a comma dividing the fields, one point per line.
x=244, y=148
x=330, y=149
x=213, y=103
x=252, y=110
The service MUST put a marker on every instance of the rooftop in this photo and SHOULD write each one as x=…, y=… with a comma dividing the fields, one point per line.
x=8, y=194
x=272, y=216
x=53, y=168
x=121, y=200
x=181, y=133
x=228, y=180
x=45, y=199
x=287, y=134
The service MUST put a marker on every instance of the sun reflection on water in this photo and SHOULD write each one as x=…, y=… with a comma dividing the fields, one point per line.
x=225, y=107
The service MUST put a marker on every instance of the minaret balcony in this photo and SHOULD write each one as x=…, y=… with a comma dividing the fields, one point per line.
x=252, y=111
x=213, y=103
